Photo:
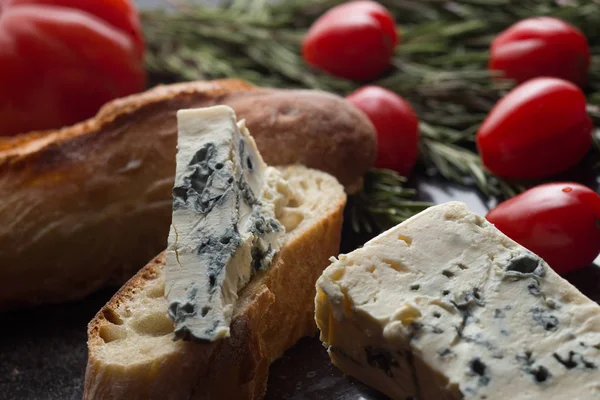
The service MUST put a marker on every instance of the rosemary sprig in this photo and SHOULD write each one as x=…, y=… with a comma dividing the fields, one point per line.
x=440, y=68
x=463, y=166
x=383, y=202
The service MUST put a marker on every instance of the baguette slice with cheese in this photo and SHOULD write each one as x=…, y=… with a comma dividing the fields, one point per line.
x=132, y=354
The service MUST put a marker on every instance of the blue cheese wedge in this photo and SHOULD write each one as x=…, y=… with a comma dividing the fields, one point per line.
x=444, y=306
x=225, y=228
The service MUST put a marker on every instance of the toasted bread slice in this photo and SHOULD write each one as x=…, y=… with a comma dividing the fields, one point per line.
x=132, y=354
x=91, y=204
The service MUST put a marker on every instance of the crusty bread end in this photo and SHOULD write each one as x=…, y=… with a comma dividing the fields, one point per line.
x=89, y=205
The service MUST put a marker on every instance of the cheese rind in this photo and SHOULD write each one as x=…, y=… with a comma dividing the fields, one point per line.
x=444, y=306
x=225, y=227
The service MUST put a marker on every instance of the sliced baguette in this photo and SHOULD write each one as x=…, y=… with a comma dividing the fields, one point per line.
x=131, y=352
x=91, y=204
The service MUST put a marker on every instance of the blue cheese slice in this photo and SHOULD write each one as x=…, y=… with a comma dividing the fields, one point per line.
x=224, y=228
x=444, y=306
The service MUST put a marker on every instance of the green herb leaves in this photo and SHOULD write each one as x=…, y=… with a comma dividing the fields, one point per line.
x=440, y=68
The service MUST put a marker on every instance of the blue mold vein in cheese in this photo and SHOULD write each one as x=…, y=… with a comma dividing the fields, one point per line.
x=444, y=306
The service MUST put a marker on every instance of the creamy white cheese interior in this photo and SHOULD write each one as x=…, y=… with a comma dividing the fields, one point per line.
x=444, y=306
x=225, y=227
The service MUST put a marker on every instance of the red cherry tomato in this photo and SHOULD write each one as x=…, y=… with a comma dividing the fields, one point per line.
x=541, y=46
x=539, y=129
x=396, y=124
x=61, y=60
x=355, y=40
x=560, y=222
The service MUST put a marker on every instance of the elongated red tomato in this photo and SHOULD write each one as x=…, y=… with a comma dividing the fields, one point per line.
x=560, y=222
x=537, y=130
x=355, y=40
x=541, y=46
x=396, y=124
x=61, y=60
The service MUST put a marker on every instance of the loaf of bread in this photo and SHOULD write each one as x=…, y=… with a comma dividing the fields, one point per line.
x=132, y=354
x=89, y=205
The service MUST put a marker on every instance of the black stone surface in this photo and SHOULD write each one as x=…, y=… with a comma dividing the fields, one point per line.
x=43, y=351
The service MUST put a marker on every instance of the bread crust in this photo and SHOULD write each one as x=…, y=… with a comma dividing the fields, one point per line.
x=273, y=312
x=88, y=205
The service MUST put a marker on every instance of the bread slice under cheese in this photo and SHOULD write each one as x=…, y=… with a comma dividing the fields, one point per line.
x=132, y=354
